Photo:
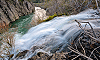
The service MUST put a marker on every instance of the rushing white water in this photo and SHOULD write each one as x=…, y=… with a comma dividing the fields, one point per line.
x=55, y=33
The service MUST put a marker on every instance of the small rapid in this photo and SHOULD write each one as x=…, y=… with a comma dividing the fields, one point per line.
x=53, y=36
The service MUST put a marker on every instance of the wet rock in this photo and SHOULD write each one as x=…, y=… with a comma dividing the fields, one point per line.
x=11, y=56
x=34, y=48
x=45, y=56
x=21, y=54
x=41, y=56
x=58, y=56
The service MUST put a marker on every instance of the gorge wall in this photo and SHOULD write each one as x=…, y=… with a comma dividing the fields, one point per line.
x=11, y=10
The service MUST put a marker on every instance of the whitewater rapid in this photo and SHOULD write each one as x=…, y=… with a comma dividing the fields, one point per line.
x=56, y=33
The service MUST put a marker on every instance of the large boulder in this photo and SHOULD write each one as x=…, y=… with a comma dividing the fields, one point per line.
x=40, y=14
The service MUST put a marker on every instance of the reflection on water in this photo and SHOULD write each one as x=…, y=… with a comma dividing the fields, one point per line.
x=7, y=39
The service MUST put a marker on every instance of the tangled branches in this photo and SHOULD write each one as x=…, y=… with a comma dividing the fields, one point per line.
x=86, y=46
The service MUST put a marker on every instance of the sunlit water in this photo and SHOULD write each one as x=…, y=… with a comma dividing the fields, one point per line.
x=54, y=34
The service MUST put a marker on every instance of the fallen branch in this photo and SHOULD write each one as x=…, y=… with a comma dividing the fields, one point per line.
x=89, y=24
x=94, y=50
x=82, y=47
x=95, y=57
x=91, y=28
x=86, y=33
x=93, y=38
x=80, y=53
x=75, y=57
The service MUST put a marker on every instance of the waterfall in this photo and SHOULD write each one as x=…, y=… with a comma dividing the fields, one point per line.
x=54, y=34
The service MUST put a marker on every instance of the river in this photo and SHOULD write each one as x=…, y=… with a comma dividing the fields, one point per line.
x=17, y=28
x=48, y=36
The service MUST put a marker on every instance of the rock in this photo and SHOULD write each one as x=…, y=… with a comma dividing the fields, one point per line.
x=11, y=55
x=3, y=19
x=28, y=5
x=7, y=11
x=45, y=56
x=58, y=56
x=25, y=8
x=21, y=54
x=11, y=10
x=41, y=56
x=40, y=14
x=18, y=8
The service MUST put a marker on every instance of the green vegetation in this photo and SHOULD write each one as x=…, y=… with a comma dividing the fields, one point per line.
x=49, y=18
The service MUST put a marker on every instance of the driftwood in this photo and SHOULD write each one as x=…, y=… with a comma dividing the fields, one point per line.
x=86, y=46
x=80, y=54
x=85, y=31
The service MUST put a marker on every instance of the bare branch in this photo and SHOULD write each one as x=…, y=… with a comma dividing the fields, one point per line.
x=82, y=47
x=94, y=50
x=86, y=33
x=76, y=57
x=80, y=54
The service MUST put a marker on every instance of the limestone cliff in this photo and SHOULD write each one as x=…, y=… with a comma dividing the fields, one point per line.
x=11, y=10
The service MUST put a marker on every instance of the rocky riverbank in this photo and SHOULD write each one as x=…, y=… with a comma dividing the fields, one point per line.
x=11, y=10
